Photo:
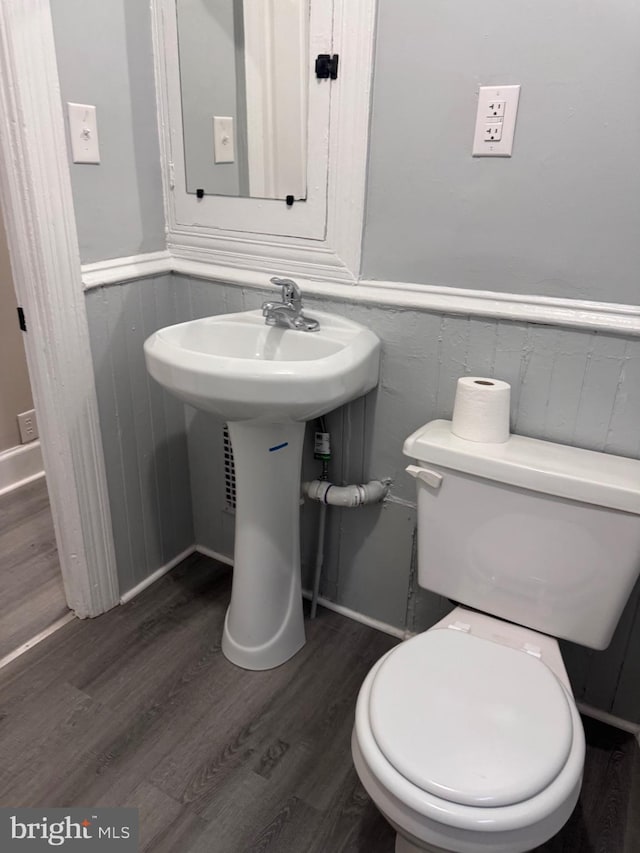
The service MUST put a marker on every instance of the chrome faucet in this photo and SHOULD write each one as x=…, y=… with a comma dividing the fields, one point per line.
x=288, y=313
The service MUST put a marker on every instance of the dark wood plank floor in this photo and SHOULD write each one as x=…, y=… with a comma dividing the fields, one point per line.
x=31, y=592
x=140, y=708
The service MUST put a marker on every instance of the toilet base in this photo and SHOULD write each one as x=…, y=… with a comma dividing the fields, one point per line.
x=403, y=845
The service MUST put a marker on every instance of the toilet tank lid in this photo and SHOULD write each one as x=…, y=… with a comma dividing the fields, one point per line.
x=542, y=466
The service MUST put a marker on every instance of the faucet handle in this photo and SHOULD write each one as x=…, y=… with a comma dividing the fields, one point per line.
x=290, y=290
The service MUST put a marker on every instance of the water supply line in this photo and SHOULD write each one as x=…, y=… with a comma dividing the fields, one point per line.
x=317, y=572
x=329, y=494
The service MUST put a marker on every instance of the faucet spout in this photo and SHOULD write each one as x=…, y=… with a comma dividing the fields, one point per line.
x=288, y=313
x=290, y=290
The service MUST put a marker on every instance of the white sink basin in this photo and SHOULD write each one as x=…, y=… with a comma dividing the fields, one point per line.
x=265, y=381
x=240, y=369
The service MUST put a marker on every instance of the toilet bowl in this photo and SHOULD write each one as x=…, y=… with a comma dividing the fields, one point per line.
x=467, y=738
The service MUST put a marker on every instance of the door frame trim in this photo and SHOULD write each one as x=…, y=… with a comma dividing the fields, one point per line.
x=37, y=205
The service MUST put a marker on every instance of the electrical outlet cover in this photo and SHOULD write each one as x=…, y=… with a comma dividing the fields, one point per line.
x=492, y=99
x=28, y=426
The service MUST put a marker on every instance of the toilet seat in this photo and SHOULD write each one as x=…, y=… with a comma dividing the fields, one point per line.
x=480, y=724
x=448, y=825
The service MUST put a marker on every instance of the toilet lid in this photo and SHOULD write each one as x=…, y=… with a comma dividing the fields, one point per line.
x=469, y=720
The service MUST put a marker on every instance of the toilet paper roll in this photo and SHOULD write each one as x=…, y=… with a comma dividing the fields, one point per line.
x=481, y=410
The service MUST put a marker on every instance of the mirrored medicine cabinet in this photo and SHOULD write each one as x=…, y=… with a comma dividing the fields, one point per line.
x=264, y=146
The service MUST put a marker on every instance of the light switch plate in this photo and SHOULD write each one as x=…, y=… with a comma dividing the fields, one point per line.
x=497, y=111
x=223, y=144
x=83, y=132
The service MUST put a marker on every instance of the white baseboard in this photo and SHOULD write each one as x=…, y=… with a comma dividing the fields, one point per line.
x=609, y=719
x=20, y=465
x=152, y=578
x=16, y=653
x=324, y=602
x=215, y=555
x=400, y=633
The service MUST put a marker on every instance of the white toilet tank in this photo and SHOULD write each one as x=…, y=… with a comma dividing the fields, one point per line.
x=540, y=534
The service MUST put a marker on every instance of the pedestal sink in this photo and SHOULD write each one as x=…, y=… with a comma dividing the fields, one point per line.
x=265, y=381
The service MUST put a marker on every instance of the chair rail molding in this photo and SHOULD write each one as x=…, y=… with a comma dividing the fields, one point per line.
x=117, y=270
x=43, y=245
x=612, y=317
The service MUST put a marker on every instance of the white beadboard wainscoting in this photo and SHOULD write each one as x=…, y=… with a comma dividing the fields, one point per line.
x=165, y=463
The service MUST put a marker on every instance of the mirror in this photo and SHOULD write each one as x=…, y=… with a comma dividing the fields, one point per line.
x=244, y=77
x=320, y=235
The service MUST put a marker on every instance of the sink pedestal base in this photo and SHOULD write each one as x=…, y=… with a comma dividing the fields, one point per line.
x=264, y=624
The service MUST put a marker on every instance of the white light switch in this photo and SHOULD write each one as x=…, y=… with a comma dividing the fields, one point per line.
x=223, y=146
x=495, y=121
x=83, y=131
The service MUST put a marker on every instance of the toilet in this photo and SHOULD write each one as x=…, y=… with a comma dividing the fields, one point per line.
x=467, y=736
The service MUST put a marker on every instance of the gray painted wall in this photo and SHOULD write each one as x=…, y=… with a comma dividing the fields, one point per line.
x=105, y=58
x=562, y=216
x=143, y=428
x=568, y=386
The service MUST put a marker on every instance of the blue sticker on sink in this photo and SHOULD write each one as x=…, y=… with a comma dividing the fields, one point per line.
x=278, y=446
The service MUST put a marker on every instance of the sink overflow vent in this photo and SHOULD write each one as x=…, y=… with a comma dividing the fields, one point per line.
x=229, y=470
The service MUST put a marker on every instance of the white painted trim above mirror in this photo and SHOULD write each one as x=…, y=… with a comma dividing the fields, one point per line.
x=320, y=237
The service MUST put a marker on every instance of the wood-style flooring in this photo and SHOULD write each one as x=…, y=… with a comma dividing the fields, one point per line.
x=31, y=593
x=140, y=708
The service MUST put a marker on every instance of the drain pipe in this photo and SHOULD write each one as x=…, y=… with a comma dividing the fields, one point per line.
x=346, y=496
x=330, y=495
